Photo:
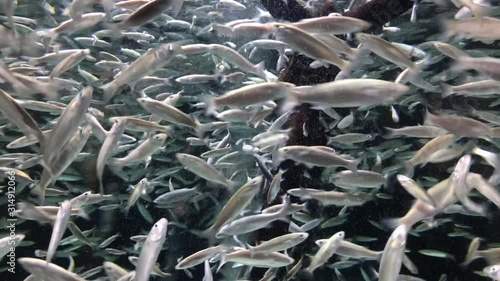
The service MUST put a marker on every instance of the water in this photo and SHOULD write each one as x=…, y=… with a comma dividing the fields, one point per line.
x=199, y=198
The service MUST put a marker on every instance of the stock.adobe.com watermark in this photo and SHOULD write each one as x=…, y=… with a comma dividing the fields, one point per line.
x=13, y=239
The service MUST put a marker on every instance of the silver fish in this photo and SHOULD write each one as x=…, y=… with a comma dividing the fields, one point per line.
x=150, y=250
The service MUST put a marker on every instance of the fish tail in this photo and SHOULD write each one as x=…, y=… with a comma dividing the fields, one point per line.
x=83, y=214
x=108, y=6
x=353, y=165
x=209, y=234
x=354, y=54
x=117, y=163
x=390, y=133
x=410, y=265
x=101, y=187
x=251, y=249
x=41, y=140
x=222, y=260
x=408, y=169
x=210, y=105
x=306, y=274
x=428, y=118
x=260, y=68
x=116, y=29
x=49, y=34
x=480, y=10
x=392, y=223
x=176, y=7
x=39, y=191
x=446, y=90
x=471, y=252
x=201, y=129
x=290, y=101
x=109, y=91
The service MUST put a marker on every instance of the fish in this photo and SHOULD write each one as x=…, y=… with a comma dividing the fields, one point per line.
x=415, y=190
x=326, y=251
x=199, y=257
x=458, y=125
x=261, y=260
x=110, y=143
x=237, y=203
x=493, y=271
x=332, y=24
x=41, y=269
x=72, y=116
x=204, y=112
x=202, y=169
x=60, y=225
x=321, y=156
x=148, y=12
x=392, y=256
x=305, y=43
x=350, y=93
x=280, y=243
x=144, y=65
x=7, y=242
x=250, y=95
x=254, y=222
x=151, y=249
x=68, y=153
x=141, y=153
x=21, y=118
x=174, y=115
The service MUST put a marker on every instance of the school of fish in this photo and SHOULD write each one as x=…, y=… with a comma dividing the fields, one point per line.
x=159, y=108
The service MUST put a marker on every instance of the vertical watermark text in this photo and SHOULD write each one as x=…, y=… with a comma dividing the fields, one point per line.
x=11, y=220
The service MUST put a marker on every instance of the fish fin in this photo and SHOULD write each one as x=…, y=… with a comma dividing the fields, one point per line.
x=408, y=169
x=410, y=265
x=201, y=129
x=471, y=253
x=316, y=64
x=446, y=90
x=108, y=6
x=83, y=214
x=109, y=91
x=390, y=133
x=222, y=261
x=132, y=86
x=42, y=140
x=391, y=223
x=48, y=33
x=116, y=29
x=310, y=225
x=210, y=106
x=354, y=55
x=480, y=10
x=260, y=68
x=305, y=274
x=294, y=228
x=353, y=165
x=289, y=102
x=251, y=250
x=209, y=234
x=176, y=7
x=39, y=192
